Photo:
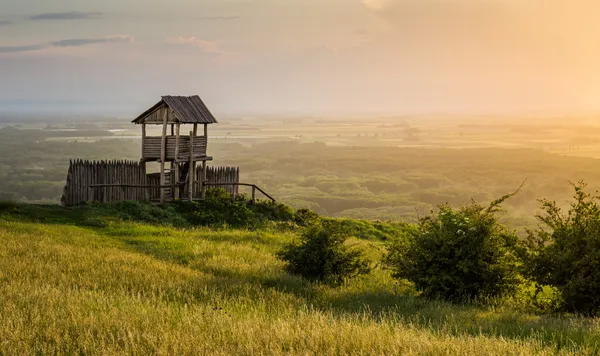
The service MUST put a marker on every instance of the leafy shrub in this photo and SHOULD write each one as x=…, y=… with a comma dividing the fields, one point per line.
x=322, y=255
x=217, y=209
x=531, y=297
x=306, y=217
x=565, y=251
x=459, y=255
x=272, y=211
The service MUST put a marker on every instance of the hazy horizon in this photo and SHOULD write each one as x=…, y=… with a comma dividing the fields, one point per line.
x=302, y=57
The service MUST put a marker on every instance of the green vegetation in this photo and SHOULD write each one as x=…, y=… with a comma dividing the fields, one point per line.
x=228, y=277
x=460, y=255
x=218, y=209
x=323, y=255
x=94, y=279
x=402, y=184
x=368, y=178
x=218, y=212
x=565, y=251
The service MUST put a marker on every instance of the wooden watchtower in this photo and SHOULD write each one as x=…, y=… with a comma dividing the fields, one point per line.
x=181, y=150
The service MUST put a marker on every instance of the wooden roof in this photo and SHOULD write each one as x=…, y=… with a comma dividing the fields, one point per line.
x=187, y=110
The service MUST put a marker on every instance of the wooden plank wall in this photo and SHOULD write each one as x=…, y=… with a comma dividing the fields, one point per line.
x=82, y=174
x=152, y=147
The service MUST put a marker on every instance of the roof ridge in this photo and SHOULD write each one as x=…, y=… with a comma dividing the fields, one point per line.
x=188, y=110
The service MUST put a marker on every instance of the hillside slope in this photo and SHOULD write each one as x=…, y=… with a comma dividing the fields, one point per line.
x=122, y=287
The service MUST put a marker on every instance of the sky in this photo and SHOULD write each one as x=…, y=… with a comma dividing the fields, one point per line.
x=338, y=57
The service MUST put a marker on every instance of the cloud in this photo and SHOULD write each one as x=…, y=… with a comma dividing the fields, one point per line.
x=218, y=18
x=204, y=45
x=77, y=42
x=5, y=22
x=73, y=15
x=16, y=49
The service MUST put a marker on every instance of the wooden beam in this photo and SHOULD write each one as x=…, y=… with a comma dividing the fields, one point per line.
x=128, y=186
x=206, y=138
x=203, y=186
x=176, y=174
x=204, y=158
x=242, y=185
x=171, y=173
x=143, y=139
x=195, y=129
x=163, y=152
x=191, y=173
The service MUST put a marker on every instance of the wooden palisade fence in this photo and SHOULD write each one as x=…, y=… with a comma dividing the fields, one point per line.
x=84, y=174
x=222, y=175
x=118, y=180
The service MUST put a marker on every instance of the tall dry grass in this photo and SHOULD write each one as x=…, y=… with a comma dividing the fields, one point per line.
x=137, y=289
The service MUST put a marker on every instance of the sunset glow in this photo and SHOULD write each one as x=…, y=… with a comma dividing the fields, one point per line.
x=360, y=56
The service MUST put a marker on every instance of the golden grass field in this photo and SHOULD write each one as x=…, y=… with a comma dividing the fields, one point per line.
x=137, y=289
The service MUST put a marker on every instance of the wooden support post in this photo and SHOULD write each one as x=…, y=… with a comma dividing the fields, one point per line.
x=171, y=173
x=204, y=167
x=195, y=129
x=253, y=194
x=105, y=177
x=143, y=139
x=206, y=137
x=176, y=173
x=191, y=172
x=144, y=176
x=163, y=152
x=203, y=186
x=172, y=129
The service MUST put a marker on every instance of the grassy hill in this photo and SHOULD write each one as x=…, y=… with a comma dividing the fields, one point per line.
x=96, y=280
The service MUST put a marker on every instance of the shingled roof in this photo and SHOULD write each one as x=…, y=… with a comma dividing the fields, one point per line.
x=188, y=110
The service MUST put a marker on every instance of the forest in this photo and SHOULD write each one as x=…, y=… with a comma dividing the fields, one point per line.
x=393, y=169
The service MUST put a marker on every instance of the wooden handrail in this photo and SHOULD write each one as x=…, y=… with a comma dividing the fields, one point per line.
x=254, y=187
x=130, y=186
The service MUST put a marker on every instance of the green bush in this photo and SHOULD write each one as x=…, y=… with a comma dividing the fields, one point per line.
x=218, y=209
x=531, y=297
x=565, y=251
x=268, y=210
x=323, y=255
x=306, y=217
x=459, y=255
